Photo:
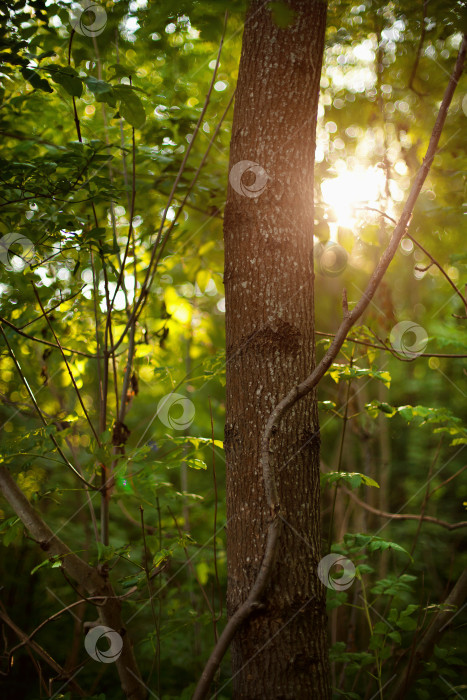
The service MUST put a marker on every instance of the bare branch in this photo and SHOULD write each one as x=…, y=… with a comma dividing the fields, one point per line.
x=41, y=340
x=67, y=365
x=404, y=516
x=37, y=649
x=40, y=414
x=431, y=637
x=440, y=268
x=383, y=346
x=86, y=576
x=419, y=51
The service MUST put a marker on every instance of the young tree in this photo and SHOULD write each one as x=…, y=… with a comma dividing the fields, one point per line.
x=268, y=229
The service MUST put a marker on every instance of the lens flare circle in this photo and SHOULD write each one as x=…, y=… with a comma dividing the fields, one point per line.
x=6, y=257
x=254, y=189
x=165, y=406
x=87, y=8
x=95, y=635
x=400, y=339
x=342, y=582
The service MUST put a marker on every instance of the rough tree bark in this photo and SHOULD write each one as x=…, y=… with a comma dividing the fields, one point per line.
x=280, y=652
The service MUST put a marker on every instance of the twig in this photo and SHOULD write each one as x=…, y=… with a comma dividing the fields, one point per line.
x=41, y=415
x=37, y=649
x=419, y=245
x=75, y=386
x=345, y=419
x=383, y=346
x=153, y=262
x=191, y=567
x=41, y=340
x=51, y=619
x=219, y=589
x=425, y=500
x=419, y=52
x=402, y=516
x=440, y=268
x=52, y=308
x=87, y=576
x=448, y=480
x=148, y=577
x=190, y=188
x=431, y=637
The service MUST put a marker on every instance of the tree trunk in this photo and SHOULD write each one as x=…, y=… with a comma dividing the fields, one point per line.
x=280, y=652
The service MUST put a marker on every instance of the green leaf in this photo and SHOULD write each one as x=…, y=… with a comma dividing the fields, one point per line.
x=196, y=464
x=407, y=624
x=12, y=533
x=386, y=408
x=161, y=556
x=380, y=627
x=68, y=78
x=340, y=372
x=368, y=481
x=8, y=523
x=36, y=81
x=103, y=91
x=395, y=636
x=131, y=108
x=409, y=610
x=104, y=552
x=52, y=563
x=352, y=479
x=376, y=642
x=406, y=412
x=335, y=599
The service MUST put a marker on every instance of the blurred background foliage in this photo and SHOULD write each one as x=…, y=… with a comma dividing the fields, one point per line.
x=79, y=182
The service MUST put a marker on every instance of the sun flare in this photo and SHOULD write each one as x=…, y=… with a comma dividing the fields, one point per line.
x=351, y=191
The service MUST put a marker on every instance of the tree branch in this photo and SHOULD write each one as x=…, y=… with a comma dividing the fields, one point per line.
x=404, y=516
x=37, y=649
x=40, y=414
x=419, y=51
x=384, y=347
x=431, y=637
x=87, y=576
